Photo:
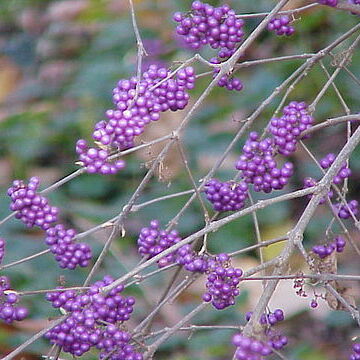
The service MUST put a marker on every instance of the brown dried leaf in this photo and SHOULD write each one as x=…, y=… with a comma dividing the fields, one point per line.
x=329, y=266
x=172, y=163
x=344, y=291
x=324, y=266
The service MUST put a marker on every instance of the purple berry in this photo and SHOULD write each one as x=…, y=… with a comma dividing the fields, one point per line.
x=344, y=210
x=222, y=283
x=258, y=166
x=9, y=311
x=92, y=321
x=31, y=208
x=280, y=25
x=355, y=355
x=66, y=252
x=287, y=128
x=206, y=25
x=153, y=240
x=131, y=115
x=226, y=196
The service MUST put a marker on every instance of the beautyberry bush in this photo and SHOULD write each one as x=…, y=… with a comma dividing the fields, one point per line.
x=210, y=192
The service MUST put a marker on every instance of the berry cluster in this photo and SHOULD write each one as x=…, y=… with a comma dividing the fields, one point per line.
x=343, y=210
x=226, y=196
x=31, y=208
x=323, y=251
x=67, y=253
x=257, y=162
x=288, y=127
x=153, y=240
x=275, y=339
x=281, y=26
x=356, y=352
x=222, y=282
x=325, y=163
x=34, y=209
x=216, y=26
x=250, y=349
x=97, y=160
x=222, y=278
x=270, y=318
x=191, y=260
x=2, y=249
x=259, y=167
x=87, y=313
x=227, y=81
x=231, y=83
x=114, y=345
x=332, y=3
x=343, y=173
x=9, y=311
x=136, y=106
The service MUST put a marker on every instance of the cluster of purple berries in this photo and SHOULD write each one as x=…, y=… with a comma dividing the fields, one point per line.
x=343, y=173
x=343, y=210
x=34, y=209
x=222, y=279
x=227, y=81
x=136, y=106
x=222, y=282
x=356, y=352
x=31, y=208
x=87, y=313
x=324, y=251
x=226, y=196
x=275, y=339
x=231, y=83
x=216, y=26
x=115, y=345
x=259, y=167
x=281, y=26
x=257, y=162
x=67, y=253
x=289, y=126
x=268, y=319
x=9, y=311
x=250, y=349
x=325, y=163
x=2, y=249
x=97, y=160
x=153, y=240
x=191, y=260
